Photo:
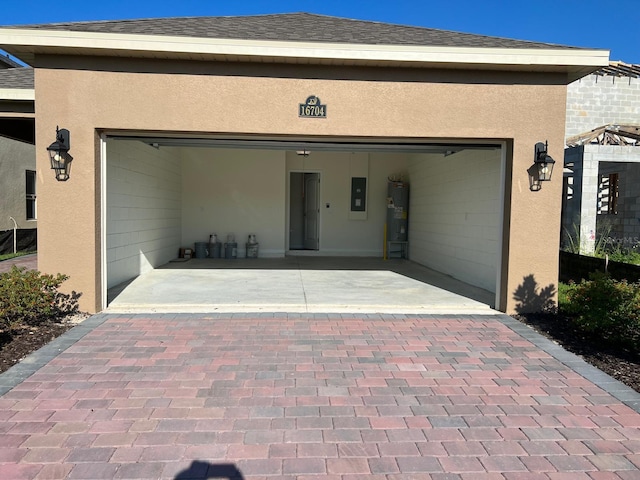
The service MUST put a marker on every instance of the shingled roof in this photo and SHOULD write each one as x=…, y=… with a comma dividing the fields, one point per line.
x=19, y=78
x=295, y=27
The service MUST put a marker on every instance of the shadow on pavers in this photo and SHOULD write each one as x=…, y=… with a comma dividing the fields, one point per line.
x=204, y=470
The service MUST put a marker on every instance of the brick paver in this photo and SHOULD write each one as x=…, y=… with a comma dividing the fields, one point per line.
x=315, y=396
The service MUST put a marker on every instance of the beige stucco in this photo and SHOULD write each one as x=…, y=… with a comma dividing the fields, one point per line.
x=263, y=100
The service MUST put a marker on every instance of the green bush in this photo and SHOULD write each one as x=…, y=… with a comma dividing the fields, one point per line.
x=28, y=297
x=617, y=253
x=605, y=307
x=564, y=291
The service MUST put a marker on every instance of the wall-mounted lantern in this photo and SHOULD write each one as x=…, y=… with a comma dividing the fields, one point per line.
x=59, y=154
x=542, y=167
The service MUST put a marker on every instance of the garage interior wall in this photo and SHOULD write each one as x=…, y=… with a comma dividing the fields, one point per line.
x=234, y=191
x=454, y=216
x=343, y=232
x=144, y=195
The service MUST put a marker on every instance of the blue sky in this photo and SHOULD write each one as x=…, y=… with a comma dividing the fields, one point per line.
x=583, y=23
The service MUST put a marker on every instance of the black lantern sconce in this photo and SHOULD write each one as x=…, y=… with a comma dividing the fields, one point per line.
x=59, y=154
x=542, y=167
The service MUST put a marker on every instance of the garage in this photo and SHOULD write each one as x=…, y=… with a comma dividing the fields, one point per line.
x=185, y=127
x=165, y=193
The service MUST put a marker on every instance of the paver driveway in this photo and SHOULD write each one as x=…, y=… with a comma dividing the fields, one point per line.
x=315, y=396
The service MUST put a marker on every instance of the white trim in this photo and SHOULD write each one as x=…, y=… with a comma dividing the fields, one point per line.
x=17, y=94
x=122, y=43
x=503, y=195
x=103, y=221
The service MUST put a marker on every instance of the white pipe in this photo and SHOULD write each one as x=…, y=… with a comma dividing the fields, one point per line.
x=15, y=227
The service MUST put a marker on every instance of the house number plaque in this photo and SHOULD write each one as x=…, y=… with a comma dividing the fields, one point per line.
x=312, y=108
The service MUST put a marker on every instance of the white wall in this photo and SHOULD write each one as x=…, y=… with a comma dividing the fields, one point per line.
x=16, y=158
x=234, y=191
x=143, y=208
x=454, y=214
x=342, y=232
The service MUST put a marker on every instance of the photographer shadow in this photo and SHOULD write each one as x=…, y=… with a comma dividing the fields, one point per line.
x=199, y=470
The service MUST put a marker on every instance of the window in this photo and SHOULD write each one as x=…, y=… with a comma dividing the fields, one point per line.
x=608, y=194
x=30, y=189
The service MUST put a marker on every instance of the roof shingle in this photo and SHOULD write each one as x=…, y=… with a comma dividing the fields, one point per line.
x=295, y=27
x=21, y=78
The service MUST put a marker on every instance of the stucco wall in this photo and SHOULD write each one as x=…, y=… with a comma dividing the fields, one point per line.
x=363, y=103
x=144, y=195
x=240, y=192
x=15, y=159
x=454, y=215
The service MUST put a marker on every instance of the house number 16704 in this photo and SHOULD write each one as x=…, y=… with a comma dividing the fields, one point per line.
x=312, y=108
x=313, y=111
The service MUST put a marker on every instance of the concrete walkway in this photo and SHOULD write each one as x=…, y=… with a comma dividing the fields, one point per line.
x=303, y=396
x=30, y=262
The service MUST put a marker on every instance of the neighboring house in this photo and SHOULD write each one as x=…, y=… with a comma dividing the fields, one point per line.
x=182, y=127
x=18, y=182
x=601, y=195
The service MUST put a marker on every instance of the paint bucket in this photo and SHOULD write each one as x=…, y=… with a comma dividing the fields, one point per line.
x=231, y=250
x=252, y=250
x=201, y=249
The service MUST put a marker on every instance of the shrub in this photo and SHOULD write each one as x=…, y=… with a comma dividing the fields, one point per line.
x=28, y=297
x=564, y=292
x=605, y=307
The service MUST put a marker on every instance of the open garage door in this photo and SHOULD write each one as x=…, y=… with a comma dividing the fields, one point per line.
x=164, y=194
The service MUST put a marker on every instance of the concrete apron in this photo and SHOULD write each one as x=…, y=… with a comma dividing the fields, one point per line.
x=299, y=285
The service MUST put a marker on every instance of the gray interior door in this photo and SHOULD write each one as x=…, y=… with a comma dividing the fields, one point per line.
x=296, y=211
x=311, y=211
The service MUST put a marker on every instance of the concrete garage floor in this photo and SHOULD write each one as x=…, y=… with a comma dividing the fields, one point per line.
x=297, y=284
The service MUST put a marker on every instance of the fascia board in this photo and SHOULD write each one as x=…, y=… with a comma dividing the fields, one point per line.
x=17, y=94
x=38, y=38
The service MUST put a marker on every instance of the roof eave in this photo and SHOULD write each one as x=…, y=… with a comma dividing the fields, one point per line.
x=27, y=43
x=18, y=94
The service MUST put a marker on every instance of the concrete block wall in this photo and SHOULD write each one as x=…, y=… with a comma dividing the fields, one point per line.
x=592, y=102
x=454, y=214
x=144, y=196
x=597, y=100
x=580, y=209
x=629, y=207
x=626, y=162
